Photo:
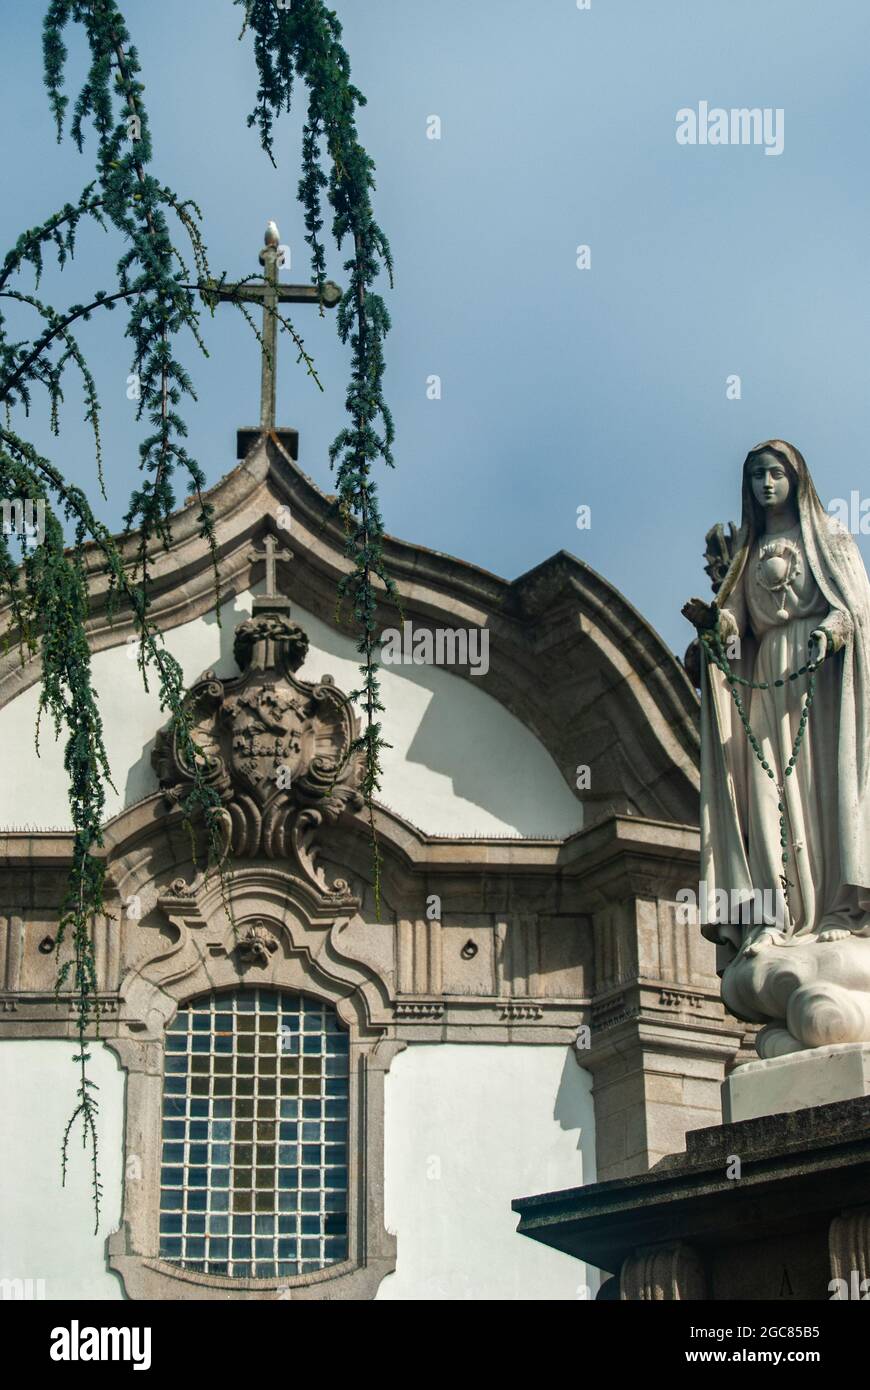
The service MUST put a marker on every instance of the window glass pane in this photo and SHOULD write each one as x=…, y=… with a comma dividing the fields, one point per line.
x=254, y=1179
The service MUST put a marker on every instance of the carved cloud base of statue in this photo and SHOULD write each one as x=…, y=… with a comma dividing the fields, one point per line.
x=810, y=992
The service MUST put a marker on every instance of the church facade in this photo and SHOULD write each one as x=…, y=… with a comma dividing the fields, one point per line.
x=309, y=1089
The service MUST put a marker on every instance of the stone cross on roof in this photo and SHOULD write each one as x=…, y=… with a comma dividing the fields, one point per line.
x=272, y=552
x=270, y=294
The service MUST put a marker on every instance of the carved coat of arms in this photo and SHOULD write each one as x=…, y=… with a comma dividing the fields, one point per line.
x=272, y=736
x=279, y=750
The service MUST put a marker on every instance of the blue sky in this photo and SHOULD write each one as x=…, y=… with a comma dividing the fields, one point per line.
x=561, y=387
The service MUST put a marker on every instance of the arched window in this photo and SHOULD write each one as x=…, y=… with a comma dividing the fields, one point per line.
x=254, y=1175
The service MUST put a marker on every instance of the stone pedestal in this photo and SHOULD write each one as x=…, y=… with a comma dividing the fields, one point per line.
x=797, y=1081
x=776, y=1207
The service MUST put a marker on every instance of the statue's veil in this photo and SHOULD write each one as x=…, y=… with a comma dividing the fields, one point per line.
x=837, y=568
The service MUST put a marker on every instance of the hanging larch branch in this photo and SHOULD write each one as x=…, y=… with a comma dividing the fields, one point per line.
x=46, y=588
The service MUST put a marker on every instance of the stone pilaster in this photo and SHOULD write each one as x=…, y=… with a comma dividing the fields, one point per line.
x=653, y=1083
x=660, y=1038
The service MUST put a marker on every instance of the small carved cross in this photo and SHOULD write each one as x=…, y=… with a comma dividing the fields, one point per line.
x=272, y=552
x=270, y=294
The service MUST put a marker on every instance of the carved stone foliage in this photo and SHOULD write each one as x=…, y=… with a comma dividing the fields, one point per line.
x=718, y=554
x=849, y=1248
x=279, y=750
x=663, y=1273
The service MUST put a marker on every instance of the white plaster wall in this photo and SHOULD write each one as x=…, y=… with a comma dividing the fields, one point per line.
x=468, y=1128
x=460, y=764
x=47, y=1231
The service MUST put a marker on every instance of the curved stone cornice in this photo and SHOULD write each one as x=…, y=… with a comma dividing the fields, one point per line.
x=143, y=844
x=569, y=656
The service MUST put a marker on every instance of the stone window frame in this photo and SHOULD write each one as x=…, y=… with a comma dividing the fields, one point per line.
x=203, y=959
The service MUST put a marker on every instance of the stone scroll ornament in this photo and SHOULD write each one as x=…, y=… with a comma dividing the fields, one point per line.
x=785, y=765
x=276, y=748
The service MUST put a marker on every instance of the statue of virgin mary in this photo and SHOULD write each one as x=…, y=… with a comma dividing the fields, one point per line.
x=785, y=765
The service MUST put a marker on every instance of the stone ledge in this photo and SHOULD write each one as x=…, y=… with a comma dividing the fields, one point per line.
x=782, y=1133
x=795, y=1168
